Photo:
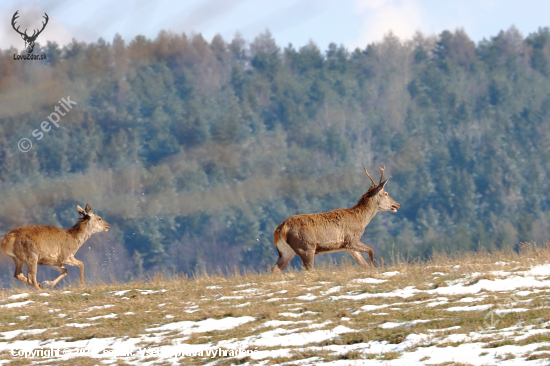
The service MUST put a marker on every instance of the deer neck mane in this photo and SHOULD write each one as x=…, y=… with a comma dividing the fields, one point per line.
x=81, y=231
x=365, y=208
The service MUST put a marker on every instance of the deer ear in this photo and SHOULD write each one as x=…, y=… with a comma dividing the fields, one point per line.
x=89, y=209
x=374, y=191
x=384, y=183
x=80, y=210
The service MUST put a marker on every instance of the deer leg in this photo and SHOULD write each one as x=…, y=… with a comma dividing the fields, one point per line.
x=75, y=262
x=63, y=274
x=358, y=258
x=285, y=256
x=308, y=258
x=360, y=247
x=32, y=266
x=19, y=271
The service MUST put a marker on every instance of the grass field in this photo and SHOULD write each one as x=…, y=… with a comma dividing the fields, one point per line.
x=474, y=309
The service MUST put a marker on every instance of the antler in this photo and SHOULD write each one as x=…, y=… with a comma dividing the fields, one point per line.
x=382, y=176
x=34, y=34
x=43, y=24
x=13, y=24
x=372, y=180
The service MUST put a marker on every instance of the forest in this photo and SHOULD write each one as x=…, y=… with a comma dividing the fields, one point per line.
x=195, y=150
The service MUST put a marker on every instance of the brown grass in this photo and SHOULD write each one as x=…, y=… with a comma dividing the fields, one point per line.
x=265, y=297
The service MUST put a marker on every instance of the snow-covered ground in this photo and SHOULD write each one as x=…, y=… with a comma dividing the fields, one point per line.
x=499, y=317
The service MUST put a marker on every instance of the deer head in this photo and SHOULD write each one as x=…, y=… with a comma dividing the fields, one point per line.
x=380, y=196
x=29, y=40
x=95, y=222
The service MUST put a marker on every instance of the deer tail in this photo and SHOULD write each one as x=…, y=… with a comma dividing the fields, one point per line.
x=6, y=241
x=276, y=235
x=279, y=234
x=4, y=244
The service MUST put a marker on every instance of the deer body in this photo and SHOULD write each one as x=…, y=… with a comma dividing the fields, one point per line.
x=50, y=246
x=310, y=234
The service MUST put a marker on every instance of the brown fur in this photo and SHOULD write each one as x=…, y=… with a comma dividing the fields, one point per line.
x=51, y=246
x=310, y=234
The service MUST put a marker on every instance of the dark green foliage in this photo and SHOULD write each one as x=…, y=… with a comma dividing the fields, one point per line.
x=196, y=151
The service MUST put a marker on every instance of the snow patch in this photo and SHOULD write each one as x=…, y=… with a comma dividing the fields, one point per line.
x=207, y=325
x=368, y=280
x=16, y=304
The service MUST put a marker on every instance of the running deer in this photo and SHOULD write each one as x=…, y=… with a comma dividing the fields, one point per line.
x=310, y=234
x=50, y=246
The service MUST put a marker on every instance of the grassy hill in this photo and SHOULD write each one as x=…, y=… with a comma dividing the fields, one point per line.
x=482, y=309
x=194, y=150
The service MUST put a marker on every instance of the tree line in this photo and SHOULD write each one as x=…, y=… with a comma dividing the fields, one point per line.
x=195, y=150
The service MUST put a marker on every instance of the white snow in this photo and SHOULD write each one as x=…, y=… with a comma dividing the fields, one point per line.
x=296, y=315
x=100, y=307
x=241, y=305
x=21, y=332
x=247, y=291
x=272, y=339
x=18, y=296
x=207, y=325
x=120, y=293
x=470, y=308
x=389, y=325
x=368, y=280
x=78, y=325
x=276, y=299
x=374, y=307
x=285, y=335
x=16, y=304
x=331, y=290
x=391, y=274
x=307, y=297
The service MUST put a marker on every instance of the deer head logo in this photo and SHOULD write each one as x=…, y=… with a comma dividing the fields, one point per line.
x=29, y=40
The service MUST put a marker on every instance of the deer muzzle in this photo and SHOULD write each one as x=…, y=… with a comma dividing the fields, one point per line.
x=394, y=207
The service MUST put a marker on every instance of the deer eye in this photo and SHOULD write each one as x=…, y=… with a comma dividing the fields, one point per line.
x=385, y=193
x=100, y=219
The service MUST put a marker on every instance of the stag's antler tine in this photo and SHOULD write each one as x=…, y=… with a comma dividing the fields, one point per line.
x=15, y=16
x=43, y=24
x=372, y=180
x=382, y=176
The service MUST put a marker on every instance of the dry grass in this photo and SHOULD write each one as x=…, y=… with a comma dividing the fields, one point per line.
x=146, y=304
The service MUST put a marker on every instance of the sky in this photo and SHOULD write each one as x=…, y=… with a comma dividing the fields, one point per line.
x=352, y=23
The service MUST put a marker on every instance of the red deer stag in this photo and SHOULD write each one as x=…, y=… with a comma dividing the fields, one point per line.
x=50, y=246
x=310, y=234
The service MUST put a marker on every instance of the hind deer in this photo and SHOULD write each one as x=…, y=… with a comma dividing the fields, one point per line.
x=50, y=246
x=310, y=234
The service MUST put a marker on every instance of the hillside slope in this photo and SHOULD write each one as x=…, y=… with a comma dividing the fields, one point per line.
x=471, y=310
x=194, y=150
